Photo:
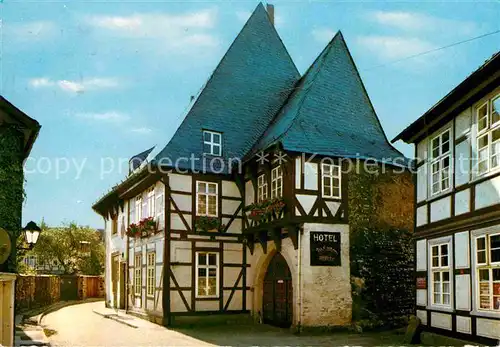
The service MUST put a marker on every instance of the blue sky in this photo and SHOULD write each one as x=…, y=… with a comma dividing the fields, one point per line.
x=110, y=79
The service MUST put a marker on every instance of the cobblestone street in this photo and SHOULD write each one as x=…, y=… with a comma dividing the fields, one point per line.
x=77, y=325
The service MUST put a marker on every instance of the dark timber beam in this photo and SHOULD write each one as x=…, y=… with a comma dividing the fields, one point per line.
x=263, y=240
x=276, y=236
x=250, y=243
x=293, y=233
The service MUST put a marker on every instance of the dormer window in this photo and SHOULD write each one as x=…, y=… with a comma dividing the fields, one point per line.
x=212, y=143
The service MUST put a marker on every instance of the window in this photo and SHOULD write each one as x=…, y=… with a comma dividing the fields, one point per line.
x=138, y=208
x=114, y=225
x=131, y=212
x=160, y=211
x=151, y=202
x=331, y=180
x=212, y=143
x=137, y=274
x=207, y=274
x=488, y=135
x=440, y=275
x=276, y=182
x=206, y=195
x=488, y=272
x=440, y=163
x=151, y=274
x=261, y=188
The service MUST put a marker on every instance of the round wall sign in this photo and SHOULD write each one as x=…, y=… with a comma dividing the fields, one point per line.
x=5, y=246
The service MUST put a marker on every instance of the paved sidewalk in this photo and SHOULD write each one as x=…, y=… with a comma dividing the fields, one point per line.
x=30, y=335
x=121, y=316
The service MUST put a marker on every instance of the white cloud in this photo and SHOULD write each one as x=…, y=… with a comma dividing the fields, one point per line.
x=142, y=130
x=394, y=47
x=76, y=86
x=110, y=116
x=415, y=21
x=180, y=31
x=323, y=34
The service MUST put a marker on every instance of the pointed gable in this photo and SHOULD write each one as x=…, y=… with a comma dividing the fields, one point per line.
x=240, y=99
x=329, y=112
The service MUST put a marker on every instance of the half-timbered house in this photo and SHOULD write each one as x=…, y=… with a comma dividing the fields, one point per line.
x=250, y=195
x=457, y=207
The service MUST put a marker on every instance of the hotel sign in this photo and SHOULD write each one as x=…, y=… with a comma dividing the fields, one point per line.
x=325, y=248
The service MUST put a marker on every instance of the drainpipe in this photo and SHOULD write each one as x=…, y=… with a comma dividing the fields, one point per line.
x=299, y=285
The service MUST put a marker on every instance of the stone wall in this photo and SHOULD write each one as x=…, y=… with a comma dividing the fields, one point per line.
x=37, y=291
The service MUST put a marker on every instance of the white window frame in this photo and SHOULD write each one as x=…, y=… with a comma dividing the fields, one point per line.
x=328, y=172
x=447, y=240
x=138, y=208
x=160, y=214
x=207, y=194
x=151, y=274
x=276, y=182
x=488, y=133
x=138, y=274
x=489, y=266
x=261, y=188
x=215, y=147
x=207, y=267
x=151, y=202
x=439, y=160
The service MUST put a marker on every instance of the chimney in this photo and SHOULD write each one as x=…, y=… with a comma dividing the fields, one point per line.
x=270, y=12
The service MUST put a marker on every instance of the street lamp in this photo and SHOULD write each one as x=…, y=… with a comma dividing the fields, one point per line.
x=31, y=232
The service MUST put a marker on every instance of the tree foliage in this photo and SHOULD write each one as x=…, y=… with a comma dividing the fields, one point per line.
x=78, y=249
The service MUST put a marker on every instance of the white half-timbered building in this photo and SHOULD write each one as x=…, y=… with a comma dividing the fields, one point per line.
x=250, y=195
x=458, y=207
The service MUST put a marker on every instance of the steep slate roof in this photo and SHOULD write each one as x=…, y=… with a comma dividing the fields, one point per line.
x=138, y=159
x=240, y=99
x=329, y=113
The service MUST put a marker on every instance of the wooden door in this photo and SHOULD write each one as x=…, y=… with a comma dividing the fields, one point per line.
x=278, y=293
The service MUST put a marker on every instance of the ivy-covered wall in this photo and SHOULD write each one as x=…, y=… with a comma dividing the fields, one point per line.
x=381, y=218
x=11, y=187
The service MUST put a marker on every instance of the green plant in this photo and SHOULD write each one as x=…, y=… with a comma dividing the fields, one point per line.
x=266, y=210
x=205, y=223
x=145, y=228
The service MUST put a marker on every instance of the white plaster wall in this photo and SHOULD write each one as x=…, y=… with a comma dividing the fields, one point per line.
x=422, y=215
x=230, y=206
x=462, y=250
x=176, y=303
x=311, y=176
x=180, y=182
x=182, y=274
x=423, y=316
x=180, y=251
x=236, y=226
x=422, y=183
x=422, y=255
x=488, y=193
x=298, y=172
x=441, y=209
x=464, y=325
x=207, y=305
x=441, y=320
x=230, y=189
x=236, y=300
x=462, y=163
x=249, y=193
x=333, y=206
x=462, y=292
x=176, y=222
x=422, y=149
x=488, y=328
x=462, y=202
x=330, y=283
x=306, y=201
x=422, y=297
x=463, y=123
x=183, y=202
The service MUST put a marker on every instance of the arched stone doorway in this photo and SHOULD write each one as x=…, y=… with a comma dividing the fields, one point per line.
x=277, y=300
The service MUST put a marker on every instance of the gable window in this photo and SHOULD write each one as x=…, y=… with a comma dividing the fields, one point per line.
x=212, y=143
x=440, y=163
x=276, y=182
x=331, y=180
x=137, y=274
x=440, y=274
x=488, y=135
x=207, y=274
x=151, y=274
x=206, y=197
x=488, y=272
x=261, y=188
